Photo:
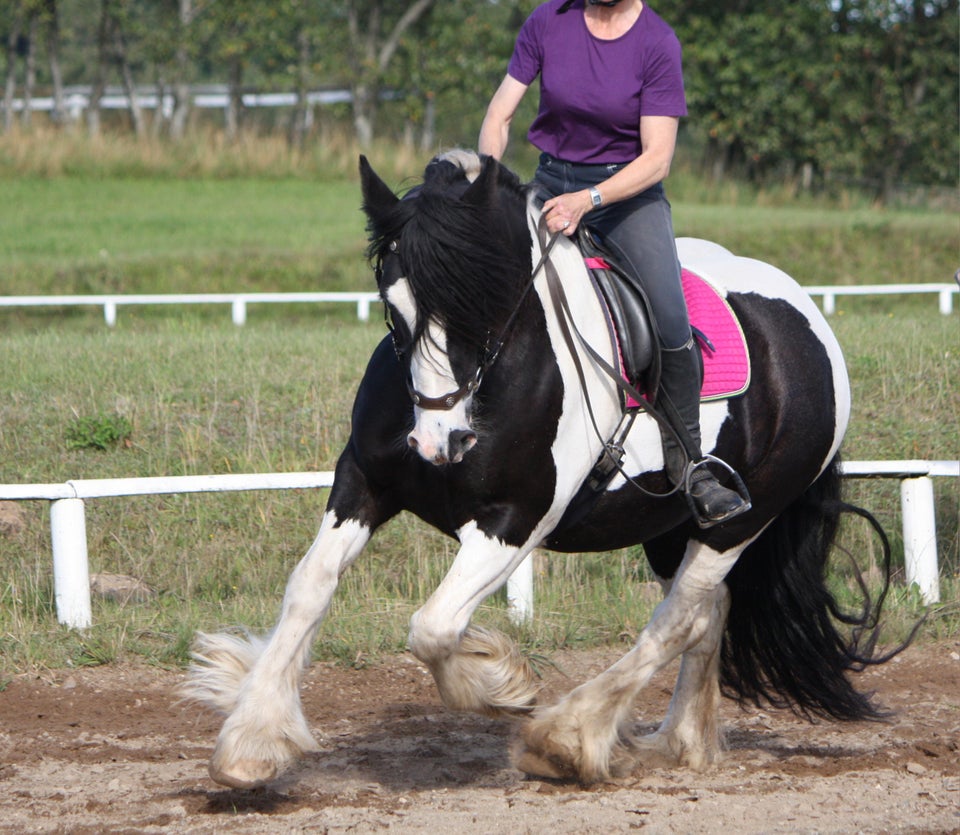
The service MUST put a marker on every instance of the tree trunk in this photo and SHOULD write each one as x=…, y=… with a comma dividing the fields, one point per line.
x=181, y=90
x=10, y=86
x=364, y=115
x=234, y=99
x=58, y=114
x=30, y=73
x=100, y=77
x=161, y=115
x=428, y=139
x=136, y=112
x=298, y=121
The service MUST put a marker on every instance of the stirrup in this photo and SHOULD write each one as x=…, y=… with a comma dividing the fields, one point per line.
x=738, y=487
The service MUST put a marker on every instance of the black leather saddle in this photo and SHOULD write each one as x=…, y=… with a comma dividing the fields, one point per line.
x=630, y=312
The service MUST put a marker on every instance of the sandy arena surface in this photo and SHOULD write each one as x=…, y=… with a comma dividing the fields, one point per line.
x=110, y=750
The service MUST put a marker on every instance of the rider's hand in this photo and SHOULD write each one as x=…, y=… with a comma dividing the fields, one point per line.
x=565, y=211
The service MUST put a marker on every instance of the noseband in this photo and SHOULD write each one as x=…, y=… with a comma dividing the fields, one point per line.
x=488, y=355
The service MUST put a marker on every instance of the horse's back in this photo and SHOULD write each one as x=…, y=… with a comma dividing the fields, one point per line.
x=731, y=273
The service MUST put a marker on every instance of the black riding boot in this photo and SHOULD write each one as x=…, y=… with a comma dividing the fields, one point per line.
x=681, y=376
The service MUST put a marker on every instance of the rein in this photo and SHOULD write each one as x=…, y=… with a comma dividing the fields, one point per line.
x=447, y=401
x=613, y=451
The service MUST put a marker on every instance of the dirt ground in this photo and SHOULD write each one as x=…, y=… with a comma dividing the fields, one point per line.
x=110, y=750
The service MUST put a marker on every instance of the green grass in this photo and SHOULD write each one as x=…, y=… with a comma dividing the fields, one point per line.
x=275, y=396
x=168, y=234
x=68, y=235
x=202, y=396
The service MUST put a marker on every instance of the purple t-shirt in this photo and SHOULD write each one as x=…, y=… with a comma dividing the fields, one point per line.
x=592, y=91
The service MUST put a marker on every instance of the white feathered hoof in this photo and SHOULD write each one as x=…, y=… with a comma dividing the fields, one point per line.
x=242, y=774
x=561, y=745
x=487, y=674
x=546, y=750
x=249, y=754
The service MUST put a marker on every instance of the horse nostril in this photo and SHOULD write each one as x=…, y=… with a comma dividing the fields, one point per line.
x=461, y=441
x=412, y=442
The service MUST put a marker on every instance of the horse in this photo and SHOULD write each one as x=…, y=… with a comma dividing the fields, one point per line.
x=482, y=415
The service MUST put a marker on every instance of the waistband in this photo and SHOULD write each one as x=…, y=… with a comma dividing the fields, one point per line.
x=608, y=167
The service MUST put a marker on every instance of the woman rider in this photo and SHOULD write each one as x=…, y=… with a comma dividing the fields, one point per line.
x=611, y=96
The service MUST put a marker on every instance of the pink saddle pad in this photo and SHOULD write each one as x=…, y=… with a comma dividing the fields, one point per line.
x=726, y=367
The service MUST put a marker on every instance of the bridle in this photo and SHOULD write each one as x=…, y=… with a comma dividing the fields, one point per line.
x=487, y=355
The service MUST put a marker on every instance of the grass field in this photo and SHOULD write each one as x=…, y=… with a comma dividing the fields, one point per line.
x=148, y=235
x=202, y=396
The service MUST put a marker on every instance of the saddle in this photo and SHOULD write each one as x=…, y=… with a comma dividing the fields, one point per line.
x=719, y=337
x=629, y=312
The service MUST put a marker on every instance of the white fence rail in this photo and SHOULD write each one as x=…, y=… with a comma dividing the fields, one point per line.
x=240, y=301
x=945, y=293
x=77, y=99
x=68, y=527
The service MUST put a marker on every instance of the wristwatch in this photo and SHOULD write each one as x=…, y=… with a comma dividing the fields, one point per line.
x=596, y=197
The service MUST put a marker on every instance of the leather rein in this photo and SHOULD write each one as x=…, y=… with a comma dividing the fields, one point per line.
x=489, y=353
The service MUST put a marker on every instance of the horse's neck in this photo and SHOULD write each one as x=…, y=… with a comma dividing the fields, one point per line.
x=567, y=261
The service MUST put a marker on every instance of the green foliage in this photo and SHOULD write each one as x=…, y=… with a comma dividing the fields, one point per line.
x=857, y=91
x=816, y=92
x=100, y=432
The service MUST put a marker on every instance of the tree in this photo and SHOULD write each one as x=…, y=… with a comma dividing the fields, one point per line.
x=51, y=20
x=13, y=13
x=895, y=89
x=451, y=65
x=862, y=89
x=375, y=29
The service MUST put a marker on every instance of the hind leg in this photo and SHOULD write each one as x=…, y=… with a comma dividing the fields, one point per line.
x=583, y=734
x=690, y=733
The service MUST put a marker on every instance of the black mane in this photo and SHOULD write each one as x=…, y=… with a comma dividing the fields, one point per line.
x=465, y=248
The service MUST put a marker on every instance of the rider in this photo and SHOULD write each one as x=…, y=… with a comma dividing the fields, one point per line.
x=611, y=95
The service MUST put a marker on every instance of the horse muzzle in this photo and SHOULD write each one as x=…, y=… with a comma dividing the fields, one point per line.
x=437, y=449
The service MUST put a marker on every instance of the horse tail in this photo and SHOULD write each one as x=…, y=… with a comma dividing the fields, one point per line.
x=783, y=644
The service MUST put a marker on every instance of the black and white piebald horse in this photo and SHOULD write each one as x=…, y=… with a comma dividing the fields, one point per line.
x=481, y=416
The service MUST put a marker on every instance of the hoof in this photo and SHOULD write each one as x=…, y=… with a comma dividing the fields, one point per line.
x=538, y=765
x=244, y=774
x=544, y=751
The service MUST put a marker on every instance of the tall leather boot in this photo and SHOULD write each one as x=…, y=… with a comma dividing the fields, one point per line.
x=680, y=381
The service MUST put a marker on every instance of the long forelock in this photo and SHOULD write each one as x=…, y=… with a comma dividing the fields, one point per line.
x=465, y=261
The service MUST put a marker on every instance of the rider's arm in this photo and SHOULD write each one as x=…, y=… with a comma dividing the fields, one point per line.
x=495, y=130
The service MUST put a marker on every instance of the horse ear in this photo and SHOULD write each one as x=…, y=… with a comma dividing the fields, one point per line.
x=378, y=199
x=483, y=189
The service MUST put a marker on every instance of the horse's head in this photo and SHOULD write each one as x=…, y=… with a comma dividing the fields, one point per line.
x=451, y=259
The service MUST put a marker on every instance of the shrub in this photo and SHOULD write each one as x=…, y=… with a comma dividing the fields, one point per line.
x=100, y=432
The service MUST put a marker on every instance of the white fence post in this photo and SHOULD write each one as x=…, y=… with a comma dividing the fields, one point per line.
x=829, y=304
x=946, y=301
x=920, y=537
x=239, y=311
x=363, y=310
x=71, y=570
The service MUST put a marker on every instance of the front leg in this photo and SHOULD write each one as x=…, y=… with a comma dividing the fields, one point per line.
x=475, y=668
x=257, y=682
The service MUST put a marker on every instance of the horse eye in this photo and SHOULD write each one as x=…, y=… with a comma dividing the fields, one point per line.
x=394, y=246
